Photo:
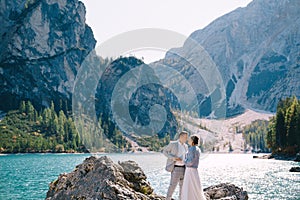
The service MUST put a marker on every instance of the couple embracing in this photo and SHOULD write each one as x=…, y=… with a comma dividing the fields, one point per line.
x=183, y=164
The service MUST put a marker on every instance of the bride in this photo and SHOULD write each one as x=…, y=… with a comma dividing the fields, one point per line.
x=192, y=188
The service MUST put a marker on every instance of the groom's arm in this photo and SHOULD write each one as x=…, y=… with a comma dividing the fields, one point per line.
x=168, y=151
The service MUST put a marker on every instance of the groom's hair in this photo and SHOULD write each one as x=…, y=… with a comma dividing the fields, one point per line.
x=183, y=133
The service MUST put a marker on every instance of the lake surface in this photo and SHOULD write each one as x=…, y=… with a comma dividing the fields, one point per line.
x=27, y=176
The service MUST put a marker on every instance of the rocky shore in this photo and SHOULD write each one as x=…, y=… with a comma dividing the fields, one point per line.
x=101, y=178
x=295, y=158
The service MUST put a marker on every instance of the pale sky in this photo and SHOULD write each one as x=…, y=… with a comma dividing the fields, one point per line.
x=110, y=18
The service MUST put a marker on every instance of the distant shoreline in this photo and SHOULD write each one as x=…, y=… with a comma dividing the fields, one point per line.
x=88, y=153
x=5, y=154
x=278, y=157
x=150, y=152
x=267, y=156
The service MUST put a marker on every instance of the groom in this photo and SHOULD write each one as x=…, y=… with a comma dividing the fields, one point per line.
x=175, y=152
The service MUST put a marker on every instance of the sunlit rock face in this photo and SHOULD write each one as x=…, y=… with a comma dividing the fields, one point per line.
x=43, y=43
x=256, y=50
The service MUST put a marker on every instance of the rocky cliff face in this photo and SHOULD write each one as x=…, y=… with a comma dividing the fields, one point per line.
x=128, y=73
x=101, y=178
x=43, y=43
x=256, y=50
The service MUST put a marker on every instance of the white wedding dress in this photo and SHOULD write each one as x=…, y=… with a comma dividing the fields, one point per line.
x=192, y=187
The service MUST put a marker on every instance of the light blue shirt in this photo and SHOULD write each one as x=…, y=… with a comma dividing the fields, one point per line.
x=192, y=157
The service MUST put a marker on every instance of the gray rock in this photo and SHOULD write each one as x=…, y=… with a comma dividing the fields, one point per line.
x=226, y=191
x=295, y=169
x=133, y=173
x=101, y=178
x=264, y=156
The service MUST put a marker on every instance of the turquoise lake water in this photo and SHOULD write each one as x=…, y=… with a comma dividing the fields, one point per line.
x=27, y=176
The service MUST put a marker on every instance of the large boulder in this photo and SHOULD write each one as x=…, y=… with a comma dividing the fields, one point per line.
x=226, y=191
x=101, y=178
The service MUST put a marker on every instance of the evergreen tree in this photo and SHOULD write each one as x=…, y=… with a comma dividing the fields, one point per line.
x=298, y=124
x=280, y=128
x=291, y=122
x=46, y=116
x=30, y=111
x=22, y=107
x=285, y=127
x=61, y=121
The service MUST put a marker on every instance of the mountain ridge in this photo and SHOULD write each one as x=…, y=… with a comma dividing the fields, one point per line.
x=256, y=51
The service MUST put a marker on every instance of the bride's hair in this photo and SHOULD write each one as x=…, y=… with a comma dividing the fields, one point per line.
x=195, y=139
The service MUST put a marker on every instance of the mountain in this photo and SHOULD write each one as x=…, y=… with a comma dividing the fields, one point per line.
x=127, y=92
x=255, y=50
x=43, y=44
x=246, y=59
